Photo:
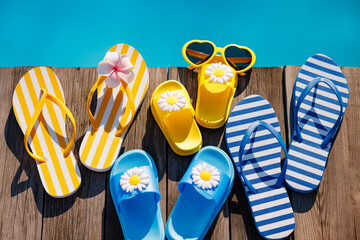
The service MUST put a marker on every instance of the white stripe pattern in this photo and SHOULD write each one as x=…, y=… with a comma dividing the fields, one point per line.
x=317, y=115
x=246, y=126
x=270, y=206
x=58, y=118
x=62, y=176
x=258, y=133
x=93, y=152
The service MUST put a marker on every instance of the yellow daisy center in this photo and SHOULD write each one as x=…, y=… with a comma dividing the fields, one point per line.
x=219, y=72
x=171, y=100
x=205, y=175
x=134, y=180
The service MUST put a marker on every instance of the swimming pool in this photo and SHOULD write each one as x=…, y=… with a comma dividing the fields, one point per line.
x=78, y=33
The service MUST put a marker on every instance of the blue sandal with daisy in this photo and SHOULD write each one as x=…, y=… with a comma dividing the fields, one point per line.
x=135, y=192
x=203, y=190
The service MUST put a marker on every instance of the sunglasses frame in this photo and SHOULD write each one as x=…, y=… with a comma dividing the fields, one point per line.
x=222, y=52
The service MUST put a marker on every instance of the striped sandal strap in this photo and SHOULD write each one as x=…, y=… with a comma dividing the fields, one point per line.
x=123, y=87
x=244, y=141
x=305, y=92
x=47, y=96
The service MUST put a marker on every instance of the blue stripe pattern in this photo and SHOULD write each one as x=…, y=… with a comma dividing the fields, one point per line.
x=317, y=115
x=270, y=206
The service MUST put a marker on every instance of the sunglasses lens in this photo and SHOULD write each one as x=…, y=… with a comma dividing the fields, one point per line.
x=238, y=58
x=199, y=53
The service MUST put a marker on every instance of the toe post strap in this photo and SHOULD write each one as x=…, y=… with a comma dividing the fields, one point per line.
x=245, y=140
x=301, y=98
x=124, y=125
x=46, y=96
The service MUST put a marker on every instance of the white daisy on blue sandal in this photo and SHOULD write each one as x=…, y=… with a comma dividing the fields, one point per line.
x=219, y=73
x=205, y=177
x=134, y=178
x=171, y=101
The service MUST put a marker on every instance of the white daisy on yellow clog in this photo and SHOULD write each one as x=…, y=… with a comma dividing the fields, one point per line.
x=134, y=178
x=171, y=101
x=205, y=177
x=219, y=73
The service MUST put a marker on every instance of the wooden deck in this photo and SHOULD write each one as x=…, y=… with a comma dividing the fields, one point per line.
x=27, y=212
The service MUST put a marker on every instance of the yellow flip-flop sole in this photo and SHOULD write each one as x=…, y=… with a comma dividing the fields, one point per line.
x=60, y=176
x=99, y=149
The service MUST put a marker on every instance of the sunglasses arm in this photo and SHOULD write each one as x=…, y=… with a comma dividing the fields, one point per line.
x=196, y=54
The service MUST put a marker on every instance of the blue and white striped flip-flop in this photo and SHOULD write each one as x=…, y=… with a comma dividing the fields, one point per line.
x=320, y=98
x=253, y=134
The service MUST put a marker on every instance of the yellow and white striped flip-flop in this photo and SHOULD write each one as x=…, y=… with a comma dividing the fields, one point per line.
x=39, y=107
x=114, y=113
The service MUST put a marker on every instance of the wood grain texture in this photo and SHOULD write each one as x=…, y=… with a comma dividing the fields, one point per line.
x=352, y=134
x=21, y=191
x=27, y=212
x=143, y=134
x=266, y=82
x=339, y=189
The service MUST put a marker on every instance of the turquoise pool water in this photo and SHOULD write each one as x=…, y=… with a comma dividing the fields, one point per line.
x=78, y=33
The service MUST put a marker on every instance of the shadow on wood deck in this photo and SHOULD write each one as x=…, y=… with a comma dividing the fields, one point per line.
x=331, y=212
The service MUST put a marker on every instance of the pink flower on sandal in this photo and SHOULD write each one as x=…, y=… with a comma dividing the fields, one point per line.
x=116, y=67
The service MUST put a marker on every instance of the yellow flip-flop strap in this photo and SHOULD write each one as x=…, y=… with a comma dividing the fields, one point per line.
x=131, y=100
x=125, y=87
x=46, y=95
x=93, y=122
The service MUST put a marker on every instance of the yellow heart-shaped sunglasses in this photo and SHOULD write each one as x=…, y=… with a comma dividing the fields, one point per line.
x=198, y=53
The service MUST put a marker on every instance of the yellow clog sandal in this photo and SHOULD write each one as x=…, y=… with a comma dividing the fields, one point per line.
x=173, y=112
x=40, y=110
x=216, y=88
x=121, y=86
x=217, y=79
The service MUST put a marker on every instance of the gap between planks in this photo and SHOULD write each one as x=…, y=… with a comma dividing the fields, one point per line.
x=331, y=212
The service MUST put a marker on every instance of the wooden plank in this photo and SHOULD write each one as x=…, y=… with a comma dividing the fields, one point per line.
x=266, y=82
x=21, y=191
x=179, y=164
x=79, y=216
x=332, y=211
x=335, y=192
x=352, y=148
x=143, y=134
